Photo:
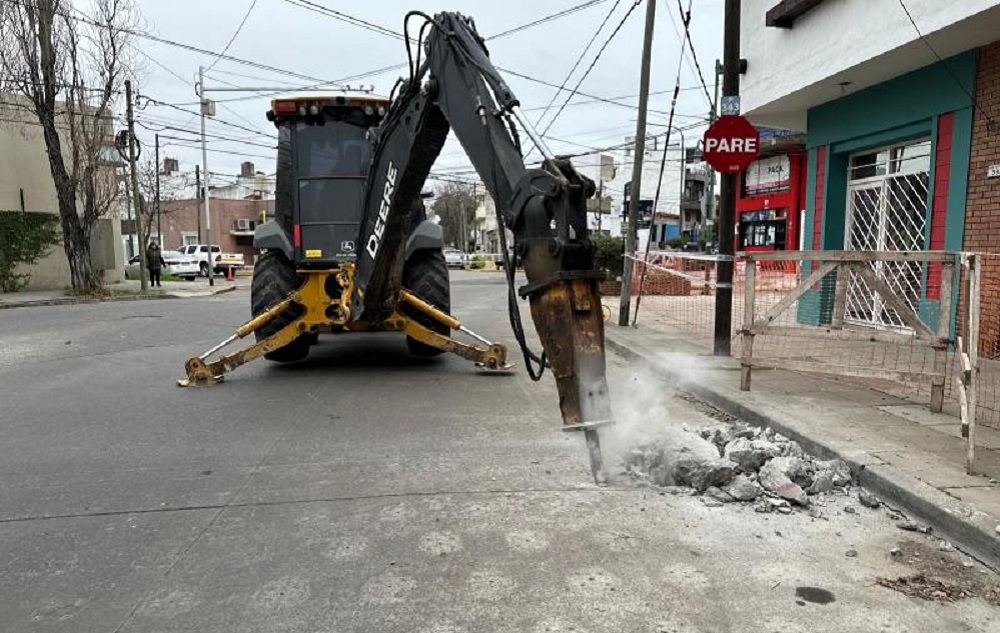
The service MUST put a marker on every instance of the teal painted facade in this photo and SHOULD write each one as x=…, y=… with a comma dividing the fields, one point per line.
x=895, y=111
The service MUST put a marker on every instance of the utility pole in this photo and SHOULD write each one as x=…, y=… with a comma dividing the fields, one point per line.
x=205, y=106
x=708, y=199
x=135, y=184
x=128, y=209
x=680, y=200
x=727, y=188
x=600, y=200
x=465, y=234
x=197, y=197
x=159, y=230
x=640, y=149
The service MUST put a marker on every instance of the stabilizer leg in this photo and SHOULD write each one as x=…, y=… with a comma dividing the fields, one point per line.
x=492, y=356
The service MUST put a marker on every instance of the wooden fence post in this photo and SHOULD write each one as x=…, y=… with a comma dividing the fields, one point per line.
x=840, y=295
x=943, y=333
x=975, y=262
x=749, y=294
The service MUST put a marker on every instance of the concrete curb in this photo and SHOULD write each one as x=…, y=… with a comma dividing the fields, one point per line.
x=63, y=301
x=78, y=300
x=971, y=532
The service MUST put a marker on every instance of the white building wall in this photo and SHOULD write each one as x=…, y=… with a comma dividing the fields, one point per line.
x=610, y=222
x=670, y=190
x=862, y=42
x=24, y=169
x=670, y=184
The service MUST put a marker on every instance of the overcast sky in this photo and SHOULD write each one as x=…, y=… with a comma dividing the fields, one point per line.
x=289, y=37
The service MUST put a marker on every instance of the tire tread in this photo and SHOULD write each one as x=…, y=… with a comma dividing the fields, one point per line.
x=274, y=278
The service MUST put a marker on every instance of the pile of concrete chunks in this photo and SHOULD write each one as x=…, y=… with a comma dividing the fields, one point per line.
x=737, y=463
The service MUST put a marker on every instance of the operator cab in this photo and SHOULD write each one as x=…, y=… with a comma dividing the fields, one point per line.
x=324, y=155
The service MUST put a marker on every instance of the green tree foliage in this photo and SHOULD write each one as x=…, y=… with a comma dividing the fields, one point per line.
x=24, y=239
x=608, y=254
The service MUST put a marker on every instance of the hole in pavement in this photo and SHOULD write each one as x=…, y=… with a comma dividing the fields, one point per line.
x=815, y=595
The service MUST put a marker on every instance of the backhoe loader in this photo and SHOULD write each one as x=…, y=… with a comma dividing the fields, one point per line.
x=350, y=249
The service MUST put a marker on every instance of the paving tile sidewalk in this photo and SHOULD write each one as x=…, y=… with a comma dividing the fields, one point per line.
x=912, y=458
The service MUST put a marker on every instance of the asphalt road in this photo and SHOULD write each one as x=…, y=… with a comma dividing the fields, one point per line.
x=364, y=490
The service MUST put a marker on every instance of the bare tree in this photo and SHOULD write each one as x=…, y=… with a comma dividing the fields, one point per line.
x=455, y=205
x=146, y=173
x=69, y=67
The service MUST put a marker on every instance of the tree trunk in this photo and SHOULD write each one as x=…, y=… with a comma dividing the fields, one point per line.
x=75, y=233
x=83, y=276
x=76, y=243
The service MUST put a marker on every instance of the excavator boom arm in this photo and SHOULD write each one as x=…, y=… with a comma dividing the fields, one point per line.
x=457, y=88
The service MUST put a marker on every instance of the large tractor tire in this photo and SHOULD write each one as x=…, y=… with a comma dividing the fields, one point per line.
x=426, y=275
x=274, y=278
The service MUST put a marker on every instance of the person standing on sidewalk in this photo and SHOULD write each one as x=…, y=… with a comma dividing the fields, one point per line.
x=154, y=263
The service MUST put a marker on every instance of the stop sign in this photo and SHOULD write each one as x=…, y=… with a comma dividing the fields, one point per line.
x=730, y=144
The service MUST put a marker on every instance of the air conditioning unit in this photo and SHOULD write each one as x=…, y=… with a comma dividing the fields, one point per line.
x=242, y=224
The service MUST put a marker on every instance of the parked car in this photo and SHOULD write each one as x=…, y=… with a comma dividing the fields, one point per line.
x=454, y=258
x=177, y=264
x=222, y=261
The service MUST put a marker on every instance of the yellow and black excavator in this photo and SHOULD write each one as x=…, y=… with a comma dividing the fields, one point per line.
x=350, y=248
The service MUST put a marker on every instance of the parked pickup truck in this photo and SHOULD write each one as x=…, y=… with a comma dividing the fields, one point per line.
x=222, y=261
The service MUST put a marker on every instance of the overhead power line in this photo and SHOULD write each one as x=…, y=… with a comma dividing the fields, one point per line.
x=593, y=63
x=390, y=33
x=344, y=17
x=232, y=39
x=576, y=64
x=579, y=92
x=218, y=137
x=195, y=140
x=246, y=76
x=162, y=119
x=686, y=19
x=222, y=151
x=927, y=43
x=157, y=102
x=339, y=84
x=548, y=18
x=86, y=19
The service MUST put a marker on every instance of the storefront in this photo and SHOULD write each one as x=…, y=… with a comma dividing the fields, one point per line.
x=887, y=170
x=771, y=201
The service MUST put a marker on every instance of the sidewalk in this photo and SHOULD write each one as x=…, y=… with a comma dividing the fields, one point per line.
x=913, y=459
x=130, y=290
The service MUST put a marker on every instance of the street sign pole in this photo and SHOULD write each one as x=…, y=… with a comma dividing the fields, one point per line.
x=727, y=189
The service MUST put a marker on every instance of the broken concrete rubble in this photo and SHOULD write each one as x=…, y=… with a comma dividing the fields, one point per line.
x=719, y=495
x=839, y=471
x=738, y=463
x=868, y=500
x=722, y=436
x=702, y=474
x=798, y=470
x=822, y=483
x=774, y=480
x=750, y=455
x=742, y=488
